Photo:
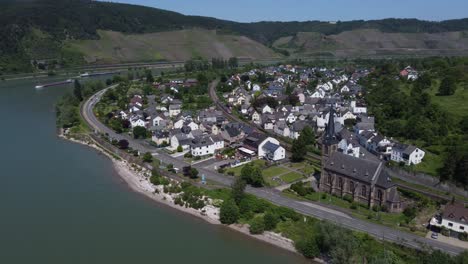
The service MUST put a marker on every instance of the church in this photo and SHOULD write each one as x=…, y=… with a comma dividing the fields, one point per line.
x=365, y=181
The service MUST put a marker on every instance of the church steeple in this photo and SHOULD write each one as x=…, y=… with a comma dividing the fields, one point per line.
x=330, y=135
x=330, y=141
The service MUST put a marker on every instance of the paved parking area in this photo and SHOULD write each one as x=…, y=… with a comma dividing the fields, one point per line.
x=449, y=240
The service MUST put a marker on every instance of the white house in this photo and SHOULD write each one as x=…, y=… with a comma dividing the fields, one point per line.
x=291, y=118
x=137, y=121
x=181, y=139
x=157, y=120
x=205, y=145
x=202, y=146
x=267, y=109
x=123, y=115
x=160, y=137
x=256, y=118
x=270, y=149
x=193, y=125
x=454, y=218
x=174, y=110
x=256, y=88
x=345, y=89
x=358, y=108
x=407, y=153
x=319, y=93
x=348, y=115
x=179, y=124
x=282, y=129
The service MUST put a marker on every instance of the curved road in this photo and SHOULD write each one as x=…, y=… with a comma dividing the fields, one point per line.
x=307, y=208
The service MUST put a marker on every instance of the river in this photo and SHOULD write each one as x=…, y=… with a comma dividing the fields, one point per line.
x=63, y=203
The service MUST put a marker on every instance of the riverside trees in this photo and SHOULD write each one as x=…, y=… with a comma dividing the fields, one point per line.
x=252, y=175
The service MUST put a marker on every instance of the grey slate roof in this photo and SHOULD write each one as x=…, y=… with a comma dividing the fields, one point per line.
x=360, y=169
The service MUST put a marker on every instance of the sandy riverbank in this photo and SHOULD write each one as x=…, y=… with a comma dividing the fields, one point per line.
x=138, y=180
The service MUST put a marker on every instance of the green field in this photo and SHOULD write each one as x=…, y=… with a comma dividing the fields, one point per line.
x=456, y=105
x=114, y=47
x=274, y=175
x=291, y=177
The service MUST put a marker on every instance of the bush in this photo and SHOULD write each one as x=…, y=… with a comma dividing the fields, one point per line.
x=231, y=173
x=271, y=220
x=147, y=157
x=257, y=226
x=463, y=236
x=348, y=198
x=376, y=208
x=410, y=213
x=286, y=213
x=353, y=206
x=188, y=155
x=229, y=212
x=155, y=180
x=444, y=231
x=308, y=247
x=180, y=149
x=300, y=189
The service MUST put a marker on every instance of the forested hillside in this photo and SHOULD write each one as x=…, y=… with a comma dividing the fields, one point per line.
x=47, y=24
x=430, y=112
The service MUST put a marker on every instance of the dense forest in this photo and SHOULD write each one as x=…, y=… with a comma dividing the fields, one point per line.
x=427, y=112
x=80, y=19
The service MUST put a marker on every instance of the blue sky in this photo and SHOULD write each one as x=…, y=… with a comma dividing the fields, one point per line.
x=325, y=10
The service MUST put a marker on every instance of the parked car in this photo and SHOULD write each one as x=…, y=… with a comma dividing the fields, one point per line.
x=434, y=235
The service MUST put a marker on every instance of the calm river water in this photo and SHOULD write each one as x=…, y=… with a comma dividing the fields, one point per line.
x=63, y=203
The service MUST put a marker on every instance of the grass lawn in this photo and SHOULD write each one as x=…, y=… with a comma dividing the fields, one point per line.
x=291, y=177
x=298, y=165
x=274, y=171
x=430, y=164
x=310, y=169
x=454, y=104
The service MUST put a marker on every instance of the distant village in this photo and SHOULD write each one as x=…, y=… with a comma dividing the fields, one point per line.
x=274, y=105
x=208, y=131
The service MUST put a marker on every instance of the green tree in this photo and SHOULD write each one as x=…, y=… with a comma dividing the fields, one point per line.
x=289, y=89
x=447, y=86
x=238, y=190
x=139, y=132
x=257, y=226
x=180, y=148
x=147, y=157
x=149, y=77
x=229, y=212
x=307, y=136
x=116, y=125
x=246, y=172
x=299, y=150
x=193, y=173
x=256, y=179
x=77, y=90
x=271, y=220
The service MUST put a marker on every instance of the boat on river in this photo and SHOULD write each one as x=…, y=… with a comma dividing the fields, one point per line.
x=39, y=86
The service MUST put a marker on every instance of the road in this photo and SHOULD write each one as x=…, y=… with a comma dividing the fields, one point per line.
x=307, y=208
